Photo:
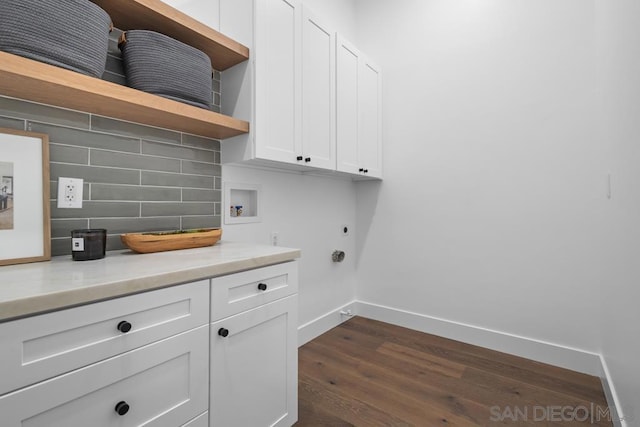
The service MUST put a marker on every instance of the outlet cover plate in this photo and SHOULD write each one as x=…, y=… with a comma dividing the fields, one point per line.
x=70, y=193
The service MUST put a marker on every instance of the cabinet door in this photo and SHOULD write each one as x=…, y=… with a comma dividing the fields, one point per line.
x=205, y=11
x=370, y=104
x=163, y=384
x=318, y=93
x=278, y=84
x=254, y=368
x=347, y=57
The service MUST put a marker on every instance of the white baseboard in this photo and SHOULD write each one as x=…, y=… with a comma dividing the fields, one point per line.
x=322, y=324
x=553, y=354
x=611, y=395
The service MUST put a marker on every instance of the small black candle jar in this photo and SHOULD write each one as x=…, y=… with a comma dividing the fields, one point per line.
x=88, y=244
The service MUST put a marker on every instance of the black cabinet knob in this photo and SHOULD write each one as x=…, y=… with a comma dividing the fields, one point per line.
x=223, y=332
x=124, y=326
x=361, y=170
x=122, y=408
x=262, y=286
x=308, y=159
x=366, y=171
x=299, y=158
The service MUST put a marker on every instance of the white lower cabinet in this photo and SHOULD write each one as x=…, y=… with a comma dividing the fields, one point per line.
x=182, y=356
x=254, y=348
x=161, y=384
x=139, y=360
x=254, y=367
x=41, y=347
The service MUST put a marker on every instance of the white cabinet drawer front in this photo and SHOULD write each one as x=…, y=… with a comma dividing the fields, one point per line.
x=164, y=384
x=254, y=368
x=243, y=291
x=41, y=347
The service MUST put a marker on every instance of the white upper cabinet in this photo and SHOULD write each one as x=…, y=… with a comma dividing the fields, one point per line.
x=348, y=129
x=359, y=112
x=370, y=100
x=205, y=11
x=314, y=103
x=293, y=85
x=318, y=93
x=278, y=94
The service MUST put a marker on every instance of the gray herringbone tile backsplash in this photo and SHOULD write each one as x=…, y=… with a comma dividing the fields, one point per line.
x=137, y=178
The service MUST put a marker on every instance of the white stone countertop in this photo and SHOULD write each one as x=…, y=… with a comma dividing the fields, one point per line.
x=44, y=286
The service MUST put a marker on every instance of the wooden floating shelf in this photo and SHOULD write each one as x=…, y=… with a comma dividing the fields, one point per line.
x=35, y=81
x=157, y=16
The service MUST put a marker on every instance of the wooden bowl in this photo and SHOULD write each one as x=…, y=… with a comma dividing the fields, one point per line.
x=157, y=242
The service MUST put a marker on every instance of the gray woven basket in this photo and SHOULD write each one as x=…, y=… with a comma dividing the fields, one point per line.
x=72, y=34
x=158, y=64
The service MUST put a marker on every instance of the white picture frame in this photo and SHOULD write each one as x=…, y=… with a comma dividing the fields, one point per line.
x=25, y=222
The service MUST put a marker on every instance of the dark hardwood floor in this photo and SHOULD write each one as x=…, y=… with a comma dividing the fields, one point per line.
x=368, y=373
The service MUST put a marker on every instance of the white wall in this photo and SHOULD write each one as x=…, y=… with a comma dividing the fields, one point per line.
x=619, y=69
x=308, y=213
x=491, y=209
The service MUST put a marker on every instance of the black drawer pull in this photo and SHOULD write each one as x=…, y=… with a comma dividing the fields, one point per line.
x=223, y=332
x=307, y=159
x=124, y=326
x=262, y=286
x=122, y=408
x=299, y=158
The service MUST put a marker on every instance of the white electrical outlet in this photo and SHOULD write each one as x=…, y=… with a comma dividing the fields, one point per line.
x=70, y=193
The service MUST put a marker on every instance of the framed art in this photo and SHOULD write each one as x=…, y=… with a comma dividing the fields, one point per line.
x=25, y=228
